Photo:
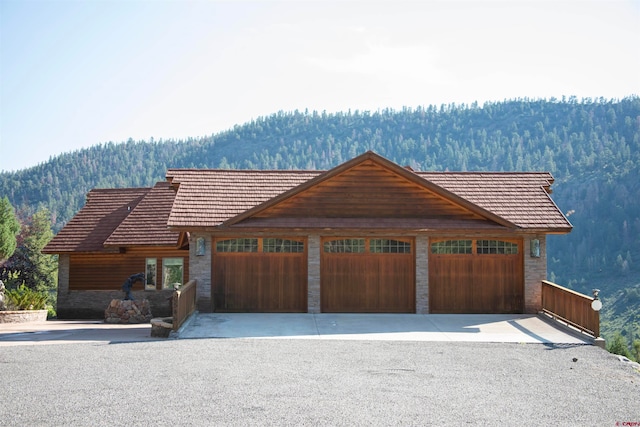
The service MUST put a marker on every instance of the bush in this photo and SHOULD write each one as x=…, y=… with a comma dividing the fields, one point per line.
x=24, y=298
x=619, y=345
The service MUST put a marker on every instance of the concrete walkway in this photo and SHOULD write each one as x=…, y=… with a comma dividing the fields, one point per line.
x=376, y=327
x=387, y=327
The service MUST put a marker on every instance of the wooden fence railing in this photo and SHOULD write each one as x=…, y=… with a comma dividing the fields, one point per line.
x=570, y=307
x=183, y=304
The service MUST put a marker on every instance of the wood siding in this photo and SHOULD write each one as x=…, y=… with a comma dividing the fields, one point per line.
x=368, y=282
x=260, y=282
x=473, y=283
x=109, y=271
x=367, y=191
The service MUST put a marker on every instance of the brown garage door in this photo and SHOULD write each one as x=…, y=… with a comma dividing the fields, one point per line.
x=367, y=275
x=260, y=275
x=476, y=276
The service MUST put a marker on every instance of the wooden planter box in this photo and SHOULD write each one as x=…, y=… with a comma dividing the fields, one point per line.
x=23, y=316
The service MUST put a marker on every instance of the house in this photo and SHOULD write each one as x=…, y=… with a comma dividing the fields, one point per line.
x=119, y=232
x=365, y=236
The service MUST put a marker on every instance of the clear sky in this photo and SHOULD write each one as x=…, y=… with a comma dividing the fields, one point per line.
x=79, y=73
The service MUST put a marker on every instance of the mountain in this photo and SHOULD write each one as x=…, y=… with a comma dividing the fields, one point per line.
x=592, y=147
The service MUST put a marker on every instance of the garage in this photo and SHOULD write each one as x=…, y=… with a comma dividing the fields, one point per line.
x=476, y=276
x=367, y=275
x=265, y=275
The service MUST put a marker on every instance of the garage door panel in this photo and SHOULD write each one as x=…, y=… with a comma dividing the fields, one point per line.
x=260, y=283
x=476, y=282
x=367, y=282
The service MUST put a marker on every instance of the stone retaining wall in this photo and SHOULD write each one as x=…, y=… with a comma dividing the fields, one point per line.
x=23, y=316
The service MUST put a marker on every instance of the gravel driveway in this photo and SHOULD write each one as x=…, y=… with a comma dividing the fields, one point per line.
x=306, y=382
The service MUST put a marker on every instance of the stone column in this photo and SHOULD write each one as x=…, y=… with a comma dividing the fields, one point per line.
x=200, y=270
x=313, y=274
x=63, y=282
x=422, y=274
x=535, y=271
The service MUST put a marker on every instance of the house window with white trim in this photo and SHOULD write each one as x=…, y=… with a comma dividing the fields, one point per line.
x=172, y=273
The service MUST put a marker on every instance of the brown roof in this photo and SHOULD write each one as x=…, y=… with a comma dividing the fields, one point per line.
x=103, y=212
x=519, y=197
x=209, y=198
x=147, y=223
x=194, y=198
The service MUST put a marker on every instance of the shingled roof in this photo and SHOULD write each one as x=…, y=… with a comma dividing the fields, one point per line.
x=103, y=212
x=194, y=199
x=209, y=198
x=146, y=225
x=519, y=197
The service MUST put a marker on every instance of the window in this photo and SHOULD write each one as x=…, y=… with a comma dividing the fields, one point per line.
x=452, y=247
x=496, y=247
x=344, y=246
x=172, y=269
x=389, y=246
x=237, y=245
x=151, y=274
x=282, y=245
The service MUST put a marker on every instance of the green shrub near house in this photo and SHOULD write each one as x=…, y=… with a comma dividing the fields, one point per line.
x=24, y=298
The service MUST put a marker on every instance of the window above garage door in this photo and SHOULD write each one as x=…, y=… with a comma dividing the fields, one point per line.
x=477, y=247
x=260, y=245
x=368, y=245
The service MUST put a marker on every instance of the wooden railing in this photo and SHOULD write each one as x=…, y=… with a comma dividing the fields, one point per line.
x=183, y=304
x=570, y=307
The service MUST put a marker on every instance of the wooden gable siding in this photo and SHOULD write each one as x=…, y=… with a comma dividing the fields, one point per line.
x=109, y=271
x=367, y=190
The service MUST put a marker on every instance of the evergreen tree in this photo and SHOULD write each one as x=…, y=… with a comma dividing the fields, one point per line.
x=9, y=229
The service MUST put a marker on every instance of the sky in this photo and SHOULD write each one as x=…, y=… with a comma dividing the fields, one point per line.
x=79, y=73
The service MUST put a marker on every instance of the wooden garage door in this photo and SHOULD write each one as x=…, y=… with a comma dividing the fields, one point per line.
x=367, y=275
x=260, y=275
x=476, y=276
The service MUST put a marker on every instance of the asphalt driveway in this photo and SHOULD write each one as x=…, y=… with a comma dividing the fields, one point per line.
x=293, y=382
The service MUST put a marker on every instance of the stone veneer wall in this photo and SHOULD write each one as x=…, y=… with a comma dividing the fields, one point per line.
x=313, y=274
x=535, y=271
x=200, y=270
x=422, y=274
x=92, y=304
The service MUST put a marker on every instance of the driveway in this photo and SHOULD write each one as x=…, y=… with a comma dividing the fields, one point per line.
x=383, y=327
x=372, y=327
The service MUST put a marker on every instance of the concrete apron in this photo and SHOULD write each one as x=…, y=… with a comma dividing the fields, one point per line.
x=517, y=328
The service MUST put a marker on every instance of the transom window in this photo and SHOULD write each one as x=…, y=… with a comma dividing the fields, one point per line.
x=452, y=247
x=344, y=246
x=282, y=245
x=389, y=246
x=260, y=245
x=469, y=247
x=237, y=245
x=496, y=247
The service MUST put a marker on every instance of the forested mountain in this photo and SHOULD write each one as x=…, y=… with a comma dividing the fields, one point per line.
x=592, y=147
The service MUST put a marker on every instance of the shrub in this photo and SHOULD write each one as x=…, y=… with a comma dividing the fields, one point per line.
x=24, y=298
x=618, y=345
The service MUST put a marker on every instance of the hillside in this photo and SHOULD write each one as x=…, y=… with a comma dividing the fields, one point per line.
x=592, y=147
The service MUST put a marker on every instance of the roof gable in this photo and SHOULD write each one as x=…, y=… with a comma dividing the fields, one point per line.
x=368, y=187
